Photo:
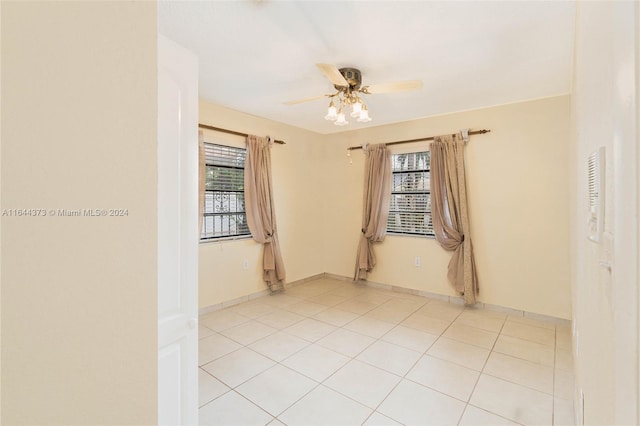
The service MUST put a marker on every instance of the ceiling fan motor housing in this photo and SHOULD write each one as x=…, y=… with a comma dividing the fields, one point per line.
x=353, y=77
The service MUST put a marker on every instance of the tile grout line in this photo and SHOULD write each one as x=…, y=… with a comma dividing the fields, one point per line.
x=365, y=313
x=375, y=410
x=242, y=396
x=481, y=371
x=403, y=377
x=353, y=358
x=519, y=384
x=318, y=383
x=222, y=394
x=279, y=362
x=321, y=383
x=364, y=349
x=243, y=346
x=276, y=363
x=556, y=321
x=474, y=386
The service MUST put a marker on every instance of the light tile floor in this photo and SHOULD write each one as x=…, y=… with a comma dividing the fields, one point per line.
x=330, y=352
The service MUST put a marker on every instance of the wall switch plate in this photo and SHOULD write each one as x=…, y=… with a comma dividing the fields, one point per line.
x=245, y=265
x=416, y=261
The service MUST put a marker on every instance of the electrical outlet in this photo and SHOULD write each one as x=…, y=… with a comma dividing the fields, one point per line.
x=416, y=261
x=245, y=265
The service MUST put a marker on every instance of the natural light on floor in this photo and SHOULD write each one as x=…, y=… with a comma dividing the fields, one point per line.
x=333, y=352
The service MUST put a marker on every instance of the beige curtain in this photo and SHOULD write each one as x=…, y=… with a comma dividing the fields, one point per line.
x=377, y=194
x=202, y=174
x=449, y=211
x=261, y=215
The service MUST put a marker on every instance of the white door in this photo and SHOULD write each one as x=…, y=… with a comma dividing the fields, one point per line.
x=177, y=235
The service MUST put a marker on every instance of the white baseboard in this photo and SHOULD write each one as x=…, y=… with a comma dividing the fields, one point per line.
x=458, y=300
x=226, y=304
x=304, y=280
x=252, y=296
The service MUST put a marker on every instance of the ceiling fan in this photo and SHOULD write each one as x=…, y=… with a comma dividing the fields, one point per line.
x=348, y=83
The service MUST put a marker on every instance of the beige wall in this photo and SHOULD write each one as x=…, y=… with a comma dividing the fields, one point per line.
x=296, y=182
x=605, y=114
x=518, y=195
x=79, y=294
x=519, y=210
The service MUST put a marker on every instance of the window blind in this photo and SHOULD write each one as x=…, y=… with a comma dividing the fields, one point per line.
x=410, y=207
x=224, y=207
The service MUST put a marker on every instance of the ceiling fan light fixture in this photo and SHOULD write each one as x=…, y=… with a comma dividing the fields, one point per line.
x=341, y=120
x=332, y=112
x=348, y=83
x=356, y=108
x=364, y=115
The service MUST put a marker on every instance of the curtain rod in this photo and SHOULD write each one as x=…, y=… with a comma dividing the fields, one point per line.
x=231, y=132
x=430, y=138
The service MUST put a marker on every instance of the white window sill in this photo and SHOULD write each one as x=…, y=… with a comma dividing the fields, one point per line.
x=225, y=239
x=429, y=237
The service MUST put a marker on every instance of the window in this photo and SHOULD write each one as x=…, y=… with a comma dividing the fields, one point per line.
x=224, y=210
x=410, y=209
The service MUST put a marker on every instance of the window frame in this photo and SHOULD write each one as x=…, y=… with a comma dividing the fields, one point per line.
x=205, y=214
x=426, y=191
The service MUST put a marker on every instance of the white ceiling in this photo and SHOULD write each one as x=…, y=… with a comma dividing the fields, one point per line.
x=255, y=55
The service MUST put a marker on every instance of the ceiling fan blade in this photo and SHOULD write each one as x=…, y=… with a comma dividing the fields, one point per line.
x=333, y=74
x=299, y=101
x=398, y=86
